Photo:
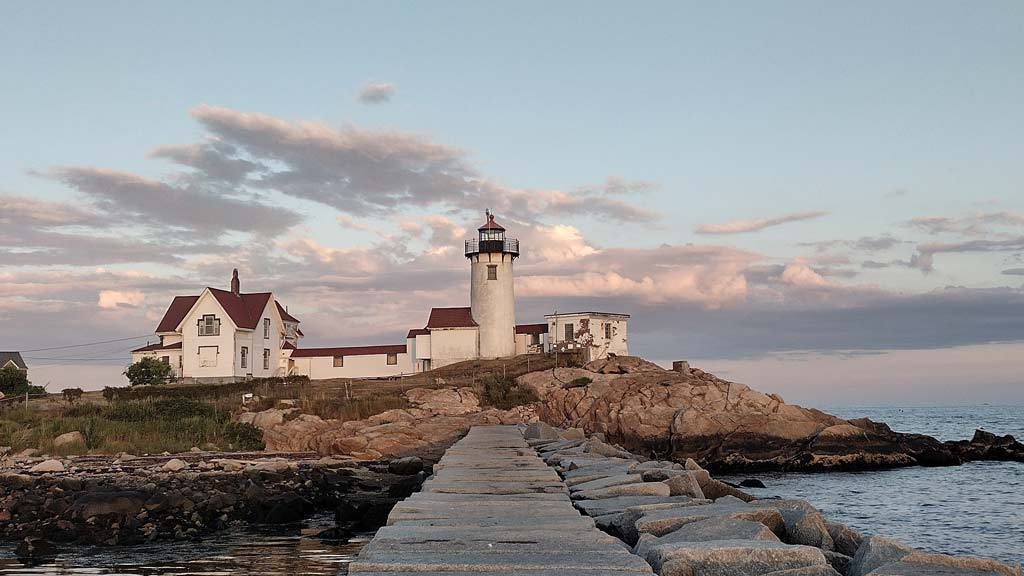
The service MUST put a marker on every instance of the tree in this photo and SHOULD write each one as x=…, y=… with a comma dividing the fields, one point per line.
x=148, y=371
x=14, y=382
x=71, y=395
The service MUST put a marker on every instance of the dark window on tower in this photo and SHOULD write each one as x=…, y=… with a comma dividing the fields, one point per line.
x=569, y=332
x=492, y=271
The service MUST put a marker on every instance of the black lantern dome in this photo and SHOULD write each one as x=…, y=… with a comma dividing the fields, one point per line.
x=491, y=240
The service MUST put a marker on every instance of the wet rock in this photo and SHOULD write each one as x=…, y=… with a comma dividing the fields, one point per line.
x=124, y=503
x=875, y=552
x=839, y=562
x=752, y=483
x=32, y=550
x=406, y=466
x=286, y=508
x=48, y=466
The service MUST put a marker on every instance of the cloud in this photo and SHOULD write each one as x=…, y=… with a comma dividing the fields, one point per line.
x=741, y=226
x=376, y=92
x=216, y=160
x=863, y=244
x=924, y=259
x=377, y=173
x=118, y=298
x=132, y=199
x=972, y=225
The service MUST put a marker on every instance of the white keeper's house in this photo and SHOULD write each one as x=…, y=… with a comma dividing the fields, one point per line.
x=229, y=335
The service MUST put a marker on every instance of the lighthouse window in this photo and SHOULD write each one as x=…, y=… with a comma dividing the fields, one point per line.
x=492, y=272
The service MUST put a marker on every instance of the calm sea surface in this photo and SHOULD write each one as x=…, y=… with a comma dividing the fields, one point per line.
x=973, y=509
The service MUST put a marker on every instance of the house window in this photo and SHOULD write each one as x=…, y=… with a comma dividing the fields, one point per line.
x=166, y=360
x=266, y=328
x=208, y=356
x=392, y=359
x=209, y=325
x=535, y=339
x=569, y=332
x=607, y=330
x=492, y=271
x=339, y=361
x=266, y=358
x=245, y=356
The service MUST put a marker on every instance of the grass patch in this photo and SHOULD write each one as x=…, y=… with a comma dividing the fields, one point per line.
x=502, y=392
x=147, y=426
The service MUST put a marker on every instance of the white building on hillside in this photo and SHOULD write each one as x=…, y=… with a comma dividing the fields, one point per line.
x=223, y=336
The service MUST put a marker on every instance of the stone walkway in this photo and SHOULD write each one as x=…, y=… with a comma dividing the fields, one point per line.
x=493, y=507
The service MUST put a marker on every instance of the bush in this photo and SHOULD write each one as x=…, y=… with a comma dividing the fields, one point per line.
x=579, y=382
x=503, y=392
x=14, y=382
x=147, y=372
x=72, y=395
x=244, y=436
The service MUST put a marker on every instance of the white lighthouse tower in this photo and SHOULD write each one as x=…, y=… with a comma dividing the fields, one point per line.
x=492, y=300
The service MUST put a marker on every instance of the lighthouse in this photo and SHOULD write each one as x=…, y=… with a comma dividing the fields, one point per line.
x=492, y=301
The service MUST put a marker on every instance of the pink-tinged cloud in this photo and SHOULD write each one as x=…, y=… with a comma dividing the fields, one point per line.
x=741, y=226
x=121, y=298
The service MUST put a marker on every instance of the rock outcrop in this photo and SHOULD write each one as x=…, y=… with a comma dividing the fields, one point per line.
x=728, y=426
x=436, y=419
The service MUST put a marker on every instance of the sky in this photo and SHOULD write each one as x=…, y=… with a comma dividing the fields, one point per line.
x=821, y=200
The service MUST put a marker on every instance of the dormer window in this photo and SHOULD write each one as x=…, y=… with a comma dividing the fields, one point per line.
x=266, y=328
x=209, y=325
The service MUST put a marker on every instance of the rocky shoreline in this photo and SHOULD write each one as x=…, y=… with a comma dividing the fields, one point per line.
x=683, y=522
x=129, y=500
x=724, y=426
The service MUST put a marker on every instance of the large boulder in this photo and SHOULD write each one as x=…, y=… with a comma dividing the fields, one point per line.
x=68, y=439
x=704, y=531
x=875, y=552
x=540, y=431
x=121, y=503
x=48, y=466
x=922, y=564
x=732, y=558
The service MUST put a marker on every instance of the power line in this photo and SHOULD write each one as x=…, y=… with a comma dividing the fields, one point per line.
x=89, y=344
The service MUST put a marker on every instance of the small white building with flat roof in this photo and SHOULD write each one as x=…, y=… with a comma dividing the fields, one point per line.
x=598, y=334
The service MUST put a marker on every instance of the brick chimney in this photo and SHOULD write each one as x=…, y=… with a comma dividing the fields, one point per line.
x=235, y=284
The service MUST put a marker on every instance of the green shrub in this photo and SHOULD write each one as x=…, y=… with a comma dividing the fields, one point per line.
x=503, y=392
x=14, y=382
x=147, y=372
x=578, y=382
x=243, y=436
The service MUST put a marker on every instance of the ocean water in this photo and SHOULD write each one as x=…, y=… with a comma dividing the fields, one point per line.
x=975, y=509
x=234, y=552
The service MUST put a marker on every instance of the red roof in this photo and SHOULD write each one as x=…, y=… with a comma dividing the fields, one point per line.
x=451, y=318
x=176, y=313
x=288, y=346
x=245, y=310
x=158, y=346
x=417, y=332
x=531, y=328
x=349, y=351
x=491, y=224
x=284, y=313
